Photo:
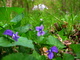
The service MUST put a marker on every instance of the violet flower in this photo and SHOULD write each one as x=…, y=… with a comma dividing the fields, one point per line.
x=50, y=52
x=10, y=33
x=15, y=36
x=40, y=30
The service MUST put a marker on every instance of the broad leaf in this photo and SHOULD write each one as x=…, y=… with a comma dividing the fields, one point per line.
x=17, y=9
x=68, y=57
x=78, y=55
x=17, y=18
x=16, y=56
x=75, y=48
x=22, y=41
x=23, y=29
x=38, y=56
x=19, y=56
x=6, y=11
x=40, y=40
x=54, y=42
x=61, y=34
x=57, y=58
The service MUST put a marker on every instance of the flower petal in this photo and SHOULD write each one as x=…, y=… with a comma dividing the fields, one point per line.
x=37, y=28
x=8, y=32
x=42, y=27
x=42, y=33
x=15, y=36
x=54, y=49
x=50, y=55
x=38, y=33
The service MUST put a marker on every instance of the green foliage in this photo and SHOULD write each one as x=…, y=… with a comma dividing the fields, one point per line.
x=5, y=12
x=37, y=56
x=75, y=47
x=18, y=56
x=23, y=19
x=78, y=55
x=22, y=41
x=23, y=29
x=68, y=57
x=17, y=18
x=57, y=58
x=14, y=56
x=54, y=42
x=62, y=34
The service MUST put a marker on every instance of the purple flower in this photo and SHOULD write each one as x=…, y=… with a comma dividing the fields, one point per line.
x=10, y=33
x=40, y=30
x=50, y=52
x=15, y=36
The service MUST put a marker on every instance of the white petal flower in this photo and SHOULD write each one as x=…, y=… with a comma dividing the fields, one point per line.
x=35, y=7
x=40, y=7
x=41, y=19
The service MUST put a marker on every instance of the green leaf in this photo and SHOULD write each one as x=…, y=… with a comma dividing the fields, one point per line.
x=37, y=56
x=68, y=57
x=57, y=58
x=22, y=41
x=17, y=9
x=78, y=55
x=61, y=34
x=54, y=42
x=40, y=40
x=4, y=42
x=6, y=11
x=23, y=29
x=75, y=48
x=42, y=58
x=17, y=18
x=18, y=56
x=29, y=57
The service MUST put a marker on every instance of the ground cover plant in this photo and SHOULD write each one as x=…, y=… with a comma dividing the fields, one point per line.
x=39, y=30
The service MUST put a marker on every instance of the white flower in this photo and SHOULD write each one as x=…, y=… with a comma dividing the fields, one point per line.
x=41, y=19
x=35, y=7
x=40, y=7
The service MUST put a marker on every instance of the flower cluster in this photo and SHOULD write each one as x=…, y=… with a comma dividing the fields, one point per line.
x=50, y=52
x=13, y=35
x=40, y=30
x=40, y=7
